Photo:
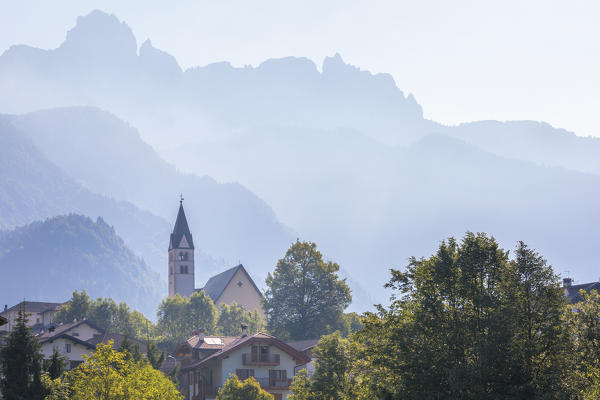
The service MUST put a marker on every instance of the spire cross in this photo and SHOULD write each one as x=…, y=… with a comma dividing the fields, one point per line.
x=181, y=199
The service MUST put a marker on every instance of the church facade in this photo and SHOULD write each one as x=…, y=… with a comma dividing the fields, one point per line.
x=233, y=285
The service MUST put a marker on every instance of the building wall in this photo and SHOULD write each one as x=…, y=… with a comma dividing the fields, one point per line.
x=77, y=350
x=83, y=332
x=179, y=283
x=245, y=295
x=230, y=364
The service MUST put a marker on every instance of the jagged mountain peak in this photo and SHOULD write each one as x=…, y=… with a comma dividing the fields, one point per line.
x=100, y=34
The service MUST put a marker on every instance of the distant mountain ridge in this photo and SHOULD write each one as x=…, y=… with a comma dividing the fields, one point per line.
x=343, y=156
x=48, y=260
x=99, y=58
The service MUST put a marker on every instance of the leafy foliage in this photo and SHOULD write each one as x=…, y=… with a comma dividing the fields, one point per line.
x=249, y=389
x=111, y=375
x=72, y=251
x=469, y=323
x=232, y=316
x=305, y=298
x=179, y=315
x=21, y=364
x=106, y=314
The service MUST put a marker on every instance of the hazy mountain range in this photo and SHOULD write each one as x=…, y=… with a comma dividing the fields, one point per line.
x=342, y=156
x=47, y=260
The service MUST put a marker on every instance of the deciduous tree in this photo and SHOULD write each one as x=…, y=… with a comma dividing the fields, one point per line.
x=249, y=389
x=305, y=298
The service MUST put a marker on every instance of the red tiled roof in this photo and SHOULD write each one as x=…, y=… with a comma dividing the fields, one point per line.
x=300, y=357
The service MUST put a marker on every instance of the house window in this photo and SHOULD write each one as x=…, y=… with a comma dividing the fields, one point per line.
x=67, y=347
x=183, y=256
x=37, y=320
x=277, y=377
x=240, y=284
x=244, y=373
x=260, y=353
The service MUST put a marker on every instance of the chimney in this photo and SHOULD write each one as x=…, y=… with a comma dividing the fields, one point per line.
x=5, y=307
x=201, y=334
x=244, y=330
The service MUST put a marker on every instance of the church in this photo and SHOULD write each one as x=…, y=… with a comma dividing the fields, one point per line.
x=232, y=285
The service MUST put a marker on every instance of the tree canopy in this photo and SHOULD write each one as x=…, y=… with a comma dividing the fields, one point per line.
x=236, y=389
x=469, y=323
x=305, y=298
x=106, y=314
x=113, y=375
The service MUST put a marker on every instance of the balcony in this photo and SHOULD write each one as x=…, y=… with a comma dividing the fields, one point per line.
x=268, y=383
x=262, y=359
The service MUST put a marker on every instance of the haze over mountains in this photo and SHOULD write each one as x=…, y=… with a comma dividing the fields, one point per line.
x=343, y=157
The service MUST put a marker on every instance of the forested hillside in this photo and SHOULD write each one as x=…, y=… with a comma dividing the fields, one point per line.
x=48, y=260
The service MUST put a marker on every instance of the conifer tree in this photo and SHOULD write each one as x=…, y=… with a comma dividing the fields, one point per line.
x=55, y=365
x=21, y=364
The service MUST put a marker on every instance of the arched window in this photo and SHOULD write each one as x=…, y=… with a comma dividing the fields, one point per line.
x=181, y=269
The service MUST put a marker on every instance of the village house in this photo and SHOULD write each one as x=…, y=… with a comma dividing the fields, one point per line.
x=306, y=347
x=232, y=285
x=208, y=361
x=39, y=314
x=74, y=339
x=572, y=291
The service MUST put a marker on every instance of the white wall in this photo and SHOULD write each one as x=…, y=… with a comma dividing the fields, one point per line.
x=83, y=332
x=234, y=361
x=77, y=350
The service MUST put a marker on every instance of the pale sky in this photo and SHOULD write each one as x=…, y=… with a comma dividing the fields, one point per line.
x=462, y=60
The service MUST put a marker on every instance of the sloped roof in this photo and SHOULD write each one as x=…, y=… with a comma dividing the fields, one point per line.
x=60, y=329
x=35, y=306
x=180, y=230
x=117, y=339
x=259, y=337
x=303, y=345
x=209, y=344
x=69, y=337
x=216, y=285
x=573, y=290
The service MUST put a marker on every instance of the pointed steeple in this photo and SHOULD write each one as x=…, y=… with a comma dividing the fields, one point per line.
x=181, y=236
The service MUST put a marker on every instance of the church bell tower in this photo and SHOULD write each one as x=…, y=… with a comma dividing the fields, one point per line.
x=181, y=257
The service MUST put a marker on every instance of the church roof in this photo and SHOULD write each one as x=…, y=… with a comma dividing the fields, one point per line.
x=181, y=230
x=216, y=285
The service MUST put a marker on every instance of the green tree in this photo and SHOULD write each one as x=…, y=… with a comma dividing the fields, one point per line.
x=305, y=297
x=249, y=389
x=21, y=364
x=154, y=355
x=232, y=316
x=76, y=308
x=55, y=366
x=301, y=387
x=333, y=378
x=201, y=312
x=469, y=323
x=106, y=314
x=56, y=389
x=584, y=327
x=111, y=375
